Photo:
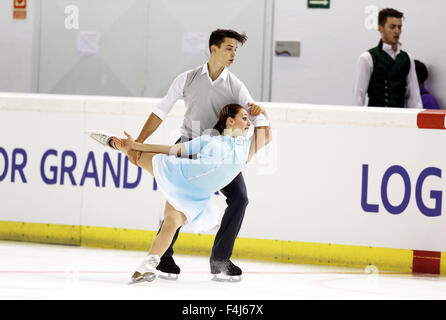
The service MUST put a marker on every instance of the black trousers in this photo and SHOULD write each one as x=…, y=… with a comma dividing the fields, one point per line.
x=237, y=201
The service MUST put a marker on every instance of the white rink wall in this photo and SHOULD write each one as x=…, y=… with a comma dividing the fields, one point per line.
x=340, y=175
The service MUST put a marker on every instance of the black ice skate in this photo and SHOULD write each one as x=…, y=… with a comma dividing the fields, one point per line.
x=169, y=269
x=225, y=271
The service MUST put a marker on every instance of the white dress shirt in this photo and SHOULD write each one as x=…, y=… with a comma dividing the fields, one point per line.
x=176, y=89
x=365, y=70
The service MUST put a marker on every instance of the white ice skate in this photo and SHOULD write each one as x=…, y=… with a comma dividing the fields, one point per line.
x=147, y=269
x=100, y=137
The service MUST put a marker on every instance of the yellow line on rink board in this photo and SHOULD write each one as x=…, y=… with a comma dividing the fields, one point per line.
x=116, y=238
x=398, y=260
x=40, y=232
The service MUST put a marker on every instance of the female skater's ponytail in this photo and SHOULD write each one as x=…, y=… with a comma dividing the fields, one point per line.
x=229, y=110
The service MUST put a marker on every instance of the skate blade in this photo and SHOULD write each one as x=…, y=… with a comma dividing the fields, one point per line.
x=146, y=277
x=169, y=277
x=228, y=279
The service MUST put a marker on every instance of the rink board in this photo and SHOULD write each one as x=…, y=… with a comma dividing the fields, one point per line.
x=397, y=260
x=338, y=185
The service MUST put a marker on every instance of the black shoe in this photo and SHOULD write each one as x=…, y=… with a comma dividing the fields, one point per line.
x=168, y=265
x=226, y=267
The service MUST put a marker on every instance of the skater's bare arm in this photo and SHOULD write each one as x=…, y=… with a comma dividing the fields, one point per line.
x=174, y=93
x=262, y=135
x=128, y=146
x=152, y=123
x=176, y=150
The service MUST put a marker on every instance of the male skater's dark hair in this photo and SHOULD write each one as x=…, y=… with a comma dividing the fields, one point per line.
x=218, y=37
x=388, y=12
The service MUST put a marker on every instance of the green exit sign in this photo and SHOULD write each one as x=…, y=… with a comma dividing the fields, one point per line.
x=323, y=4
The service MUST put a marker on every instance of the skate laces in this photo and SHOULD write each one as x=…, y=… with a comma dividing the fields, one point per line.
x=151, y=261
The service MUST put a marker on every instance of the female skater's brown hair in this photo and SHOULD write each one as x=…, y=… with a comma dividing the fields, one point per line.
x=229, y=110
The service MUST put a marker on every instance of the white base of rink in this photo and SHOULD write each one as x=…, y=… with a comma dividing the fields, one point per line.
x=41, y=271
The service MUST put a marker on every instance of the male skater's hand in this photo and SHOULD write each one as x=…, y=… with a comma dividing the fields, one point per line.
x=255, y=110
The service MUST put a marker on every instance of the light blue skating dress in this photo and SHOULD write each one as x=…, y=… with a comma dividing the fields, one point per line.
x=188, y=184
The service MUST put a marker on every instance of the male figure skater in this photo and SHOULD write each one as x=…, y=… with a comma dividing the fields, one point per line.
x=206, y=90
x=386, y=73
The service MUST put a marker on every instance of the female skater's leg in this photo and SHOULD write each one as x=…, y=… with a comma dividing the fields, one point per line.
x=173, y=219
x=138, y=158
x=147, y=270
x=142, y=159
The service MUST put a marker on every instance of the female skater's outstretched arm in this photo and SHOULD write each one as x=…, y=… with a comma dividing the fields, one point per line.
x=135, y=150
x=129, y=144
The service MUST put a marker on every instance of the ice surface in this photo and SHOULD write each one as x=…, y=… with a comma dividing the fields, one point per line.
x=44, y=271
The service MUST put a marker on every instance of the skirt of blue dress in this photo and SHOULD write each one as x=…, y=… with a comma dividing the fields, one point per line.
x=195, y=203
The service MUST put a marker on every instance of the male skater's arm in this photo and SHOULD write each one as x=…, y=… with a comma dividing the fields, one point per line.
x=160, y=112
x=152, y=123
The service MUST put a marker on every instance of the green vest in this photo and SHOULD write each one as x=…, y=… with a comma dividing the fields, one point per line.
x=387, y=86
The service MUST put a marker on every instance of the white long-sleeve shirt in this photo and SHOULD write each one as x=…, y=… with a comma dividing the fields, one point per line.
x=364, y=72
x=205, y=98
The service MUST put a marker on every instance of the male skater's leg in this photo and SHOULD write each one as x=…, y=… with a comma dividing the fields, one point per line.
x=237, y=200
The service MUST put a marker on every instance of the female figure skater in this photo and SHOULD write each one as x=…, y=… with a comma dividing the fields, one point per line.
x=189, y=183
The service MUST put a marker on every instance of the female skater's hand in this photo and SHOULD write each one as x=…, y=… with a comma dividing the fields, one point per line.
x=124, y=145
x=255, y=110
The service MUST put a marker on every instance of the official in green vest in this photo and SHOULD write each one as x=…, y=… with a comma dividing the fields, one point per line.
x=386, y=74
